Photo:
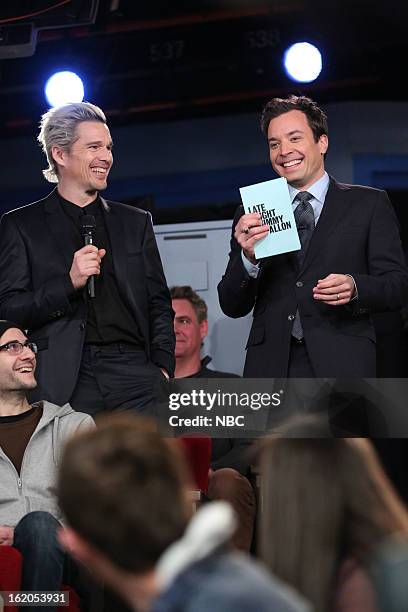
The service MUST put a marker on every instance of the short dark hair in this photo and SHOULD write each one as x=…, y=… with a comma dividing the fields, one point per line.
x=185, y=292
x=124, y=489
x=316, y=117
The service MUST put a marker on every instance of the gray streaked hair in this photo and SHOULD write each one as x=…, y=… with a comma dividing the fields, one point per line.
x=58, y=128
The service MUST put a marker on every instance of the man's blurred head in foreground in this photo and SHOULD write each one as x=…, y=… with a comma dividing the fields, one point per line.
x=125, y=494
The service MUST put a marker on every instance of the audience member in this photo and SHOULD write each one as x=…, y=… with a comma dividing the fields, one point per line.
x=390, y=570
x=125, y=494
x=31, y=440
x=327, y=506
x=229, y=461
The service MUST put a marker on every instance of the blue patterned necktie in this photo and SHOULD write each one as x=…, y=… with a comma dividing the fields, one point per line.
x=305, y=222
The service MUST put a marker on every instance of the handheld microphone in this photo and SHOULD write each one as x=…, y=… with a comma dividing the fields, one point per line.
x=88, y=227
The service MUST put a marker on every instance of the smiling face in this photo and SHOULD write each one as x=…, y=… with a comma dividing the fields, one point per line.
x=16, y=371
x=293, y=151
x=86, y=165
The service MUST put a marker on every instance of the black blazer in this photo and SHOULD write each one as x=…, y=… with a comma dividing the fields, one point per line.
x=36, y=252
x=357, y=234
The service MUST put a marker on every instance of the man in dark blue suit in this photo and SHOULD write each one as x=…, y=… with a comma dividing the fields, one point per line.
x=312, y=310
x=104, y=352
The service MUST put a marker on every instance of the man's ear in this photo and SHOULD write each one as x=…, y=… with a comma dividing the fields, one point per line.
x=89, y=556
x=58, y=155
x=204, y=329
x=323, y=144
x=75, y=545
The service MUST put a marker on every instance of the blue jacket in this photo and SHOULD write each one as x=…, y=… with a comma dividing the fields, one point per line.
x=227, y=582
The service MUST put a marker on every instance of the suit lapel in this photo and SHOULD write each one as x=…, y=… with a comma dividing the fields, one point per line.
x=60, y=229
x=116, y=233
x=334, y=209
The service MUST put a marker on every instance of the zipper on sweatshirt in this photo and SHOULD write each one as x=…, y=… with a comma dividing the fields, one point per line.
x=19, y=475
x=16, y=474
x=35, y=433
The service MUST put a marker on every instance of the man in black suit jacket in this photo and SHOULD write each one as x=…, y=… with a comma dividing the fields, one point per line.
x=312, y=311
x=103, y=352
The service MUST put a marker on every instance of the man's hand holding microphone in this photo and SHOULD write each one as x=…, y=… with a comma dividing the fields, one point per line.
x=86, y=263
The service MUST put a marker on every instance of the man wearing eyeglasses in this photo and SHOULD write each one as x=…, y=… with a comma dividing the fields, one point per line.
x=31, y=441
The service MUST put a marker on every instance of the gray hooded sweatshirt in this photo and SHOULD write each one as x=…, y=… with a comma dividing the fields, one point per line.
x=34, y=488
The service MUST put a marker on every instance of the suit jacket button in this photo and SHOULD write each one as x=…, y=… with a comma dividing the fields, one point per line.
x=299, y=284
x=82, y=326
x=244, y=283
x=291, y=317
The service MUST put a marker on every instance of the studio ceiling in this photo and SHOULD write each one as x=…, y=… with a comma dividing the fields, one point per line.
x=145, y=61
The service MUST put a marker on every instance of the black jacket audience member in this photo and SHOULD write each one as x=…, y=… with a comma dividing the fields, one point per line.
x=229, y=456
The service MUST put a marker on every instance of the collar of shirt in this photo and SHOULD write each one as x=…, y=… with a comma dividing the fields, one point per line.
x=76, y=212
x=318, y=190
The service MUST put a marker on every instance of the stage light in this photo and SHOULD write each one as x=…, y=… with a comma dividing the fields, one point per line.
x=303, y=62
x=64, y=87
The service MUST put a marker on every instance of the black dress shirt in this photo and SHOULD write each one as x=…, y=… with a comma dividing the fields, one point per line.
x=109, y=317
